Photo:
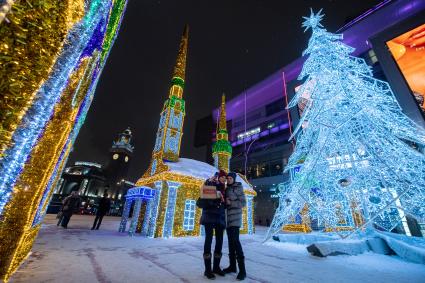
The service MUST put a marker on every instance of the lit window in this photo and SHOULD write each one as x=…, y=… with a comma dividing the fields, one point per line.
x=189, y=215
x=249, y=133
x=372, y=56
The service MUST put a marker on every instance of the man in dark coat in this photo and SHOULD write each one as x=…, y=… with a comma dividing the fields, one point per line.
x=104, y=206
x=214, y=219
x=235, y=201
x=70, y=205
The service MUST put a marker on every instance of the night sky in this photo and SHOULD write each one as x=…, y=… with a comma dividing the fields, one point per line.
x=233, y=44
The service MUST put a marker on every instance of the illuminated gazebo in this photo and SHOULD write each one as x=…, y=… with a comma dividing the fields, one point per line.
x=137, y=196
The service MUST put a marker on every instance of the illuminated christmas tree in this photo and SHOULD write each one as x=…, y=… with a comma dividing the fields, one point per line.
x=359, y=168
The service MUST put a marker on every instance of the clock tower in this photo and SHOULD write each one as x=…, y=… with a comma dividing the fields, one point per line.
x=120, y=155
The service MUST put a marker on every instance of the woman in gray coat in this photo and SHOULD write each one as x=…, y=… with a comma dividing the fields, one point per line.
x=235, y=201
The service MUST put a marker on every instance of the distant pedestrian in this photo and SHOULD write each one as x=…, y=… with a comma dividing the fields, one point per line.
x=59, y=216
x=70, y=205
x=214, y=220
x=235, y=201
x=103, y=208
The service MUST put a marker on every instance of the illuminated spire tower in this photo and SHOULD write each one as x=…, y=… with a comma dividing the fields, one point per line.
x=222, y=150
x=170, y=130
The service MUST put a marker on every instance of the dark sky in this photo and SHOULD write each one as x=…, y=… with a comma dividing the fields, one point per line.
x=233, y=44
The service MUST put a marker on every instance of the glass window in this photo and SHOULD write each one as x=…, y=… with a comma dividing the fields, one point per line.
x=275, y=107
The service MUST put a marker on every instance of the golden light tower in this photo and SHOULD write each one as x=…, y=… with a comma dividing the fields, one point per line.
x=222, y=149
x=170, y=129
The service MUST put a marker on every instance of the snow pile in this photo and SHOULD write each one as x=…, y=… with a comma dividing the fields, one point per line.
x=288, y=247
x=304, y=239
x=408, y=248
x=338, y=247
x=379, y=246
x=198, y=169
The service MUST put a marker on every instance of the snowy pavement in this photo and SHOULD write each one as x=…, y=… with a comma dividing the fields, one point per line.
x=81, y=255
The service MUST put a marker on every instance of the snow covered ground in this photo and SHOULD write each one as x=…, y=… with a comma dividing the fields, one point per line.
x=81, y=255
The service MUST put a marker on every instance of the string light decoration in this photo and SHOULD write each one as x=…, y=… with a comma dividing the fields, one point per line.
x=170, y=208
x=154, y=209
x=250, y=214
x=189, y=215
x=170, y=129
x=47, y=94
x=125, y=215
x=135, y=196
x=356, y=145
x=222, y=149
x=145, y=224
x=22, y=70
x=114, y=23
x=299, y=216
x=5, y=8
x=136, y=213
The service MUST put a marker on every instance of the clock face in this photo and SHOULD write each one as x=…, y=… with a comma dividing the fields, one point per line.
x=115, y=156
x=126, y=159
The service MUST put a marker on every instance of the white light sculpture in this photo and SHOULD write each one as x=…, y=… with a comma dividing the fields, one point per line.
x=356, y=154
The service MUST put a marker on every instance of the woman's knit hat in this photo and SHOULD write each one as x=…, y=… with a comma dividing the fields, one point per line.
x=233, y=175
x=222, y=174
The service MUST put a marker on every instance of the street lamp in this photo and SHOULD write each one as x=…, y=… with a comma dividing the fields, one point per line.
x=246, y=155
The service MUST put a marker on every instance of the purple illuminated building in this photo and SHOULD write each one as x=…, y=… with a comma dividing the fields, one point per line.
x=259, y=125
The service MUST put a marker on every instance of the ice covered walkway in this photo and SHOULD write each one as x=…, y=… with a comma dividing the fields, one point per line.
x=81, y=255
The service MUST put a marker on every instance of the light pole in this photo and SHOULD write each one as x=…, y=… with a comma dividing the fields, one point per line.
x=246, y=155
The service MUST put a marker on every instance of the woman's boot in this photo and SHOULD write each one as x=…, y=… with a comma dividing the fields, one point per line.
x=216, y=264
x=241, y=265
x=207, y=261
x=232, y=264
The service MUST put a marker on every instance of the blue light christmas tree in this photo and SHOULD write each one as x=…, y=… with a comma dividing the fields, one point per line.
x=355, y=164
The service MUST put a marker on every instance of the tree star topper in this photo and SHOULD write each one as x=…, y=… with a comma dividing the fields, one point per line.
x=313, y=21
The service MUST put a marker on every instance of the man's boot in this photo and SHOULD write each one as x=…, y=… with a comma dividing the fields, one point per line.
x=216, y=264
x=241, y=265
x=207, y=261
x=232, y=264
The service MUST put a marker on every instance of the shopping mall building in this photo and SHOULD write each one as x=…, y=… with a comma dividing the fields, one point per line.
x=389, y=36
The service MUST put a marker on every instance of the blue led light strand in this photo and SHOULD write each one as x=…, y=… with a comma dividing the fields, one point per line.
x=154, y=209
x=170, y=209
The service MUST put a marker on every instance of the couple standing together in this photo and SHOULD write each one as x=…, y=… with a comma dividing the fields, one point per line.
x=224, y=212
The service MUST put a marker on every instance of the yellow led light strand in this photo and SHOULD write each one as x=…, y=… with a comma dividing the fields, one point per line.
x=22, y=71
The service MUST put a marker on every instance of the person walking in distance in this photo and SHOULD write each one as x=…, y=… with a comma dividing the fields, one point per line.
x=59, y=216
x=104, y=206
x=70, y=206
x=235, y=201
x=214, y=220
